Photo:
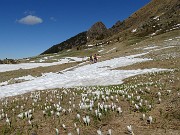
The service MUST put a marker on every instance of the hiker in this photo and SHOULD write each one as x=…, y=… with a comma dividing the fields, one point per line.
x=91, y=59
x=95, y=58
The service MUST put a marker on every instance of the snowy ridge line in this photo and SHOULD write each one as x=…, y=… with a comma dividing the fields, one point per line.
x=100, y=73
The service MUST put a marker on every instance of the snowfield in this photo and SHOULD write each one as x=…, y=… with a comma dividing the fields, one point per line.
x=11, y=67
x=101, y=73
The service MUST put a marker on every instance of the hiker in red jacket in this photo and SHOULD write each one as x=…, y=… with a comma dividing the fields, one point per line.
x=95, y=58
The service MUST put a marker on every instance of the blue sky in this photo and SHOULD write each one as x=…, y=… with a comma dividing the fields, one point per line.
x=29, y=27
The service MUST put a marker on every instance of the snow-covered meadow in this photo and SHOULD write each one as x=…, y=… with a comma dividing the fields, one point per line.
x=101, y=73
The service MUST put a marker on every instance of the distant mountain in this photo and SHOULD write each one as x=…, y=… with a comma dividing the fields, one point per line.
x=157, y=17
x=97, y=32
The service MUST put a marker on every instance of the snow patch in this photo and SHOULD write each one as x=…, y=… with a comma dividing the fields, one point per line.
x=155, y=32
x=26, y=78
x=101, y=50
x=68, y=50
x=4, y=83
x=11, y=67
x=41, y=60
x=150, y=47
x=90, y=45
x=164, y=48
x=134, y=30
x=156, y=18
x=111, y=50
x=101, y=73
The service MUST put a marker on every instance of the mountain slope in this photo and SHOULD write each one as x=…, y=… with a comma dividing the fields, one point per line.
x=97, y=32
x=155, y=18
x=157, y=15
x=77, y=40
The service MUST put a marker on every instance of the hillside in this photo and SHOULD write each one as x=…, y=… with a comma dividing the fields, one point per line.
x=78, y=40
x=158, y=16
x=155, y=18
